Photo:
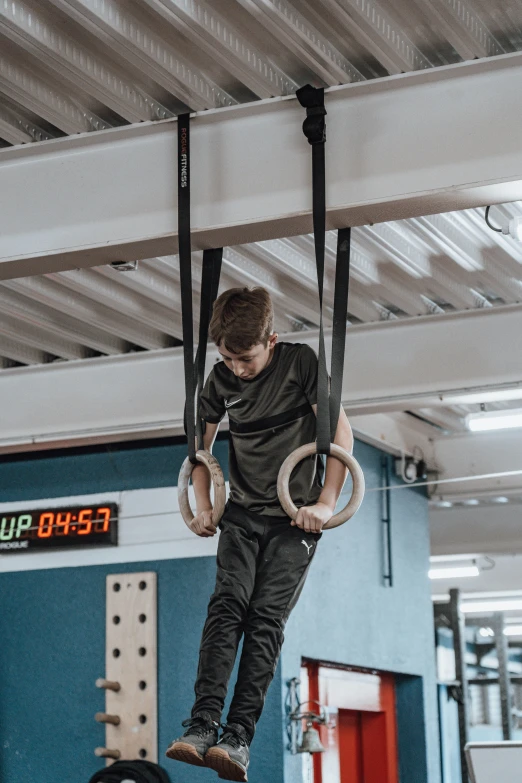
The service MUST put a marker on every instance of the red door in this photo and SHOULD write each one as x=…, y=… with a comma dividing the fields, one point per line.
x=361, y=735
x=350, y=746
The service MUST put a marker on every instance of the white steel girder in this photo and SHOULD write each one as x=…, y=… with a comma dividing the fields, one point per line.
x=109, y=196
x=483, y=529
x=390, y=367
x=492, y=452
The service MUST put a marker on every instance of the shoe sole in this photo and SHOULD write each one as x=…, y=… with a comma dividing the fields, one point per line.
x=184, y=751
x=227, y=769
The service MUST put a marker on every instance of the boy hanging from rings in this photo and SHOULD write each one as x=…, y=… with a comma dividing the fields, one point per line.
x=268, y=388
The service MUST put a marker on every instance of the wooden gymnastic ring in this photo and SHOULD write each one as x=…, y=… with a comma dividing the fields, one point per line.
x=307, y=450
x=218, y=481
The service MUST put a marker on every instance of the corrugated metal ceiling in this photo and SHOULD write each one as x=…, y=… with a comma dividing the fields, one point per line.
x=68, y=66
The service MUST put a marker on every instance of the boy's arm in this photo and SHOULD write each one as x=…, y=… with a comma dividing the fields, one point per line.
x=312, y=518
x=202, y=523
x=336, y=473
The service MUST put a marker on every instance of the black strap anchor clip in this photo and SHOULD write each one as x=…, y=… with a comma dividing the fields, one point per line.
x=314, y=126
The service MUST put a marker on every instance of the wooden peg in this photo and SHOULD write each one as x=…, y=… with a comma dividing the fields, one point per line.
x=108, y=684
x=107, y=753
x=102, y=717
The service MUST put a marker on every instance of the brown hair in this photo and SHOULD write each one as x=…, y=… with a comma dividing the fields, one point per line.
x=242, y=318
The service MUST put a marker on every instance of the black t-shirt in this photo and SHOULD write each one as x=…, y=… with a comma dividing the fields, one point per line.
x=269, y=416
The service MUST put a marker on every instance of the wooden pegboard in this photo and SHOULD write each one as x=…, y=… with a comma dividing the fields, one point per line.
x=131, y=661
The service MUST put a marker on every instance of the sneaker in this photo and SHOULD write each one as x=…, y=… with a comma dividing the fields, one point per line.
x=231, y=755
x=201, y=734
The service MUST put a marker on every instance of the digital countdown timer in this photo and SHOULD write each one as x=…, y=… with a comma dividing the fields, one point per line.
x=68, y=526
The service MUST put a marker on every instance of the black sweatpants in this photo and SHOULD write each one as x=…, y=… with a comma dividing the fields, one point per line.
x=262, y=564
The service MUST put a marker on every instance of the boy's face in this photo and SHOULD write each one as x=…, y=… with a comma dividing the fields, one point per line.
x=250, y=363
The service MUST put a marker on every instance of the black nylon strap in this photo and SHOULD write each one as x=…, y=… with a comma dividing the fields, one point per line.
x=212, y=260
x=271, y=421
x=194, y=368
x=340, y=314
x=328, y=402
x=185, y=273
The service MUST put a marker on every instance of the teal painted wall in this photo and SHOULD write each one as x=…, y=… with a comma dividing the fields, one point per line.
x=52, y=624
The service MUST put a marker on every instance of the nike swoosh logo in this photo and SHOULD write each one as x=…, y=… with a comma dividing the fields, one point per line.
x=229, y=404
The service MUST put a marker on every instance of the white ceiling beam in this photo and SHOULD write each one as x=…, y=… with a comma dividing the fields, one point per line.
x=395, y=433
x=488, y=529
x=400, y=172
x=129, y=35
x=389, y=367
x=444, y=418
x=479, y=454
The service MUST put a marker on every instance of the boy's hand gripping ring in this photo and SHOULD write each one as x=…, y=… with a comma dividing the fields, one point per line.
x=350, y=462
x=218, y=482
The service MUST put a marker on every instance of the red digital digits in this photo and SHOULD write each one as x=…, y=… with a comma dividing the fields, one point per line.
x=45, y=525
x=60, y=523
x=63, y=523
x=106, y=513
x=84, y=518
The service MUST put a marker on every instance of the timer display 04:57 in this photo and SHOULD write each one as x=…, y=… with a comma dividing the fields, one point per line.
x=68, y=526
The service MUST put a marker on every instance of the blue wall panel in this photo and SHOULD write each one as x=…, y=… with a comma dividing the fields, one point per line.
x=52, y=623
x=81, y=471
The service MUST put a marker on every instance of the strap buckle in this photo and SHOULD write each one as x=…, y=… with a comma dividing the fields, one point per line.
x=314, y=126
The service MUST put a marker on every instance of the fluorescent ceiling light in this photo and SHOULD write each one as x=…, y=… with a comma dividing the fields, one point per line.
x=500, y=500
x=513, y=630
x=494, y=420
x=494, y=605
x=486, y=632
x=472, y=398
x=455, y=572
x=468, y=559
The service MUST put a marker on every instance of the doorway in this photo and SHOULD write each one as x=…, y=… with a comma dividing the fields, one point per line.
x=360, y=737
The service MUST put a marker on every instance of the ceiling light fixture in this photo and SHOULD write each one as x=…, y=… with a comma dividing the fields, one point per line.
x=494, y=420
x=455, y=572
x=513, y=227
x=513, y=630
